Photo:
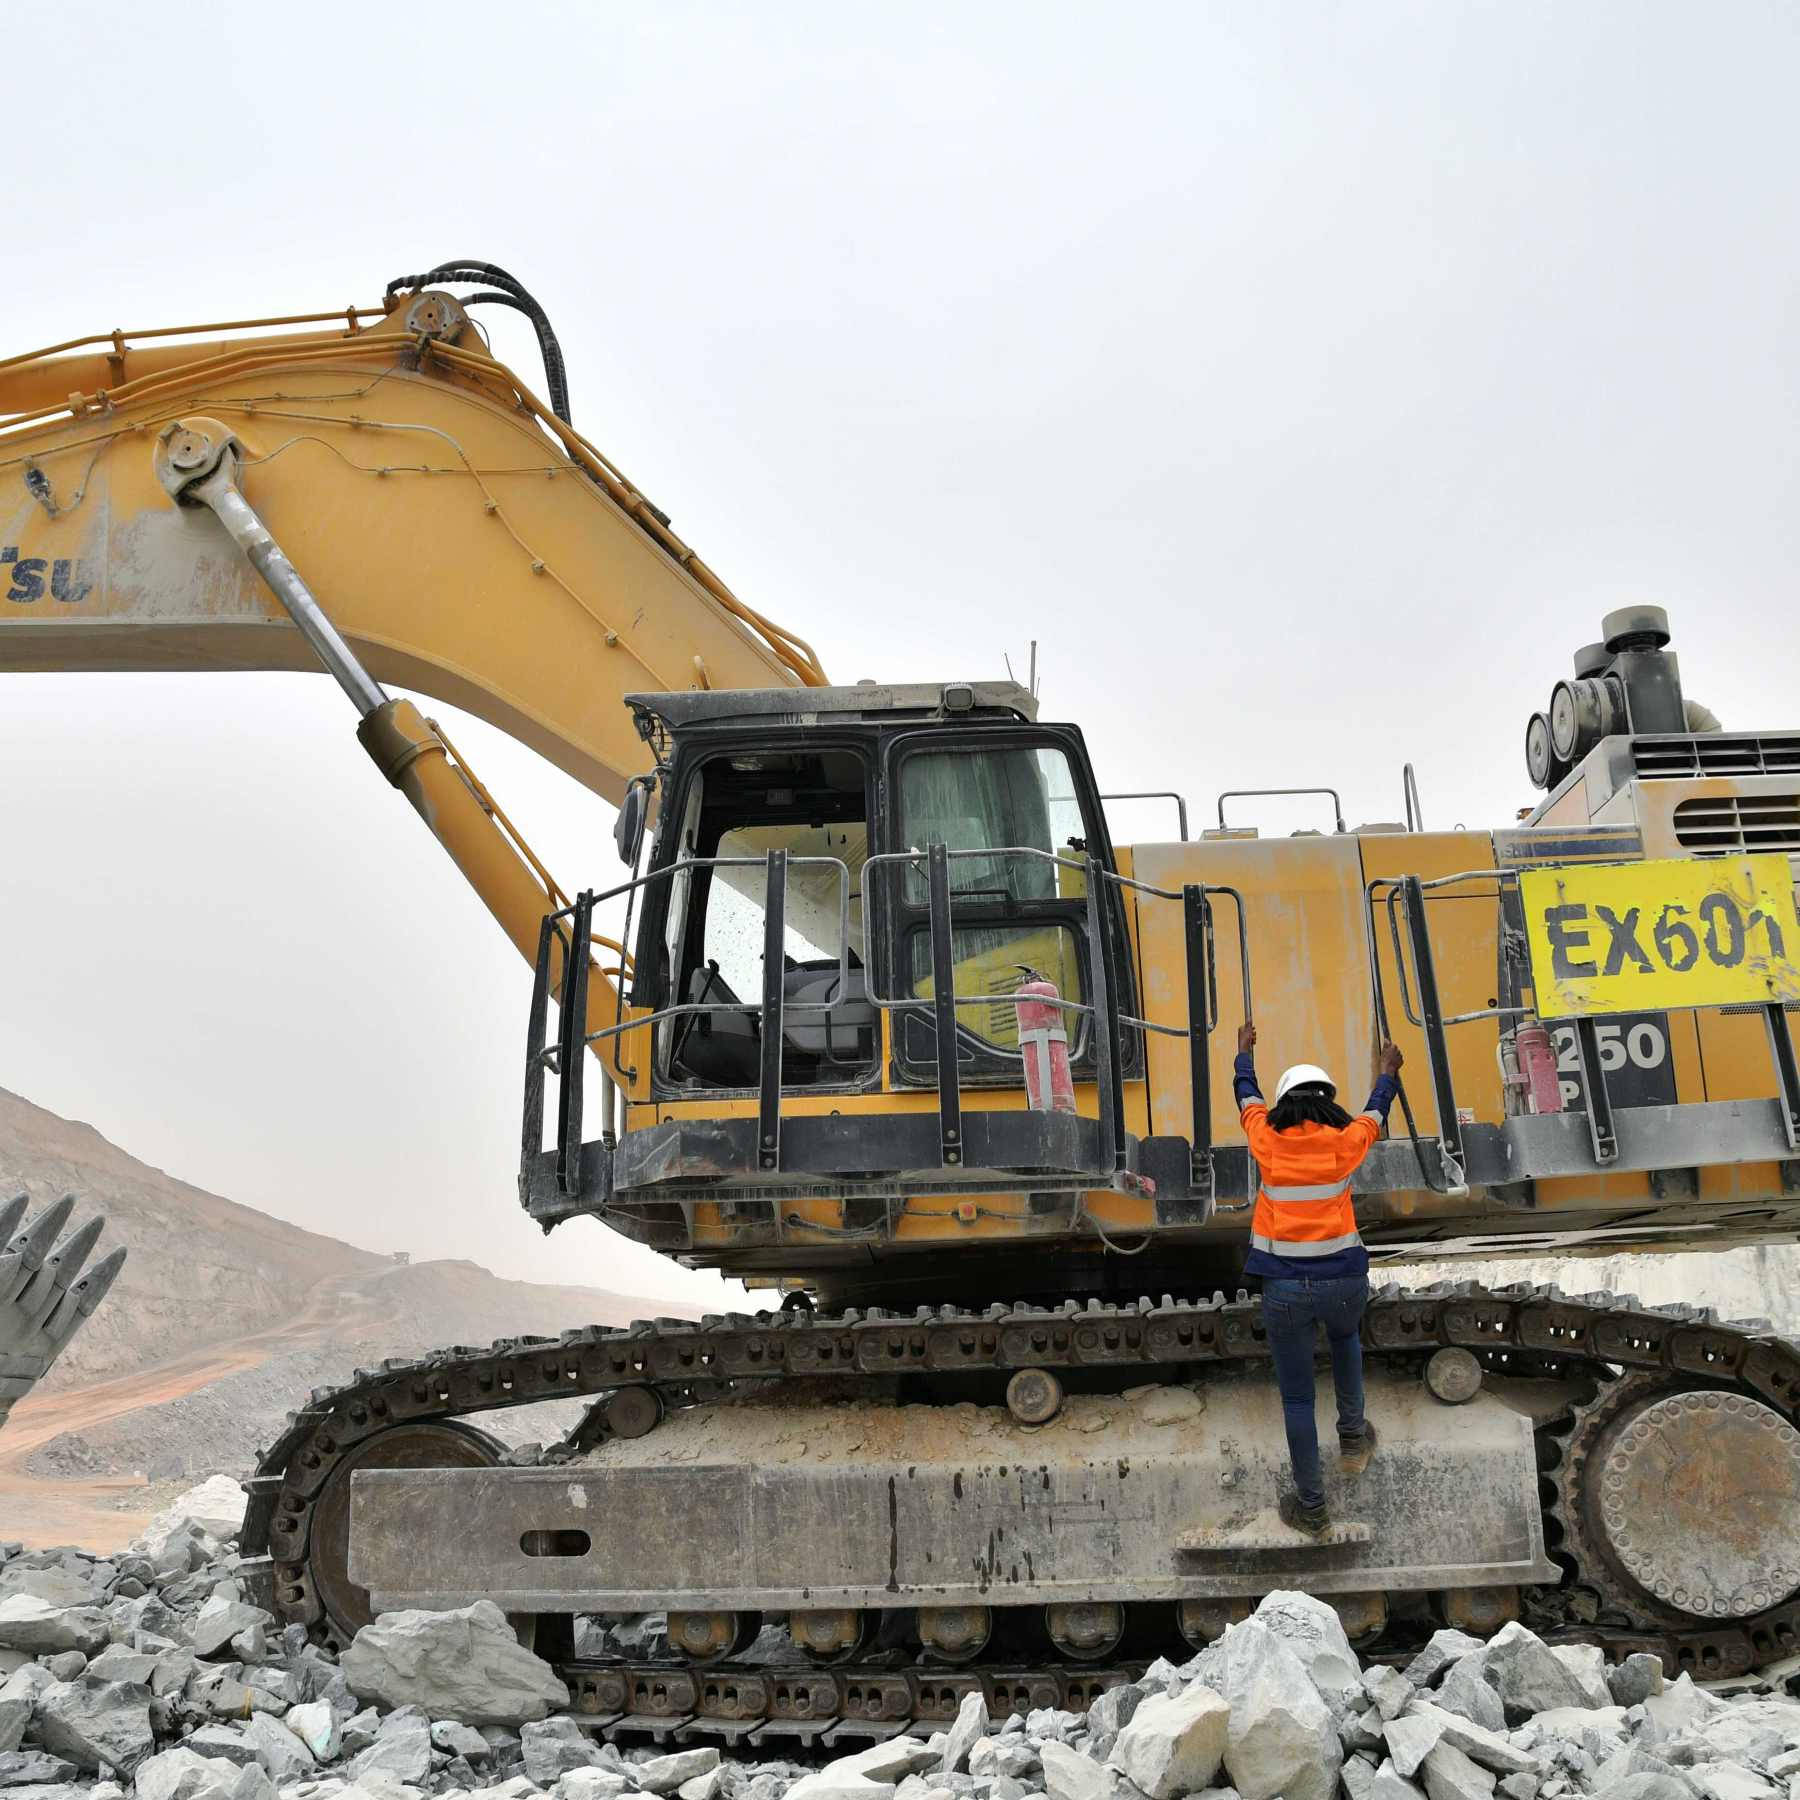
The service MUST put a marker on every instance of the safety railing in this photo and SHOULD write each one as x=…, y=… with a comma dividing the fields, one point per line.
x=1107, y=1024
x=1404, y=898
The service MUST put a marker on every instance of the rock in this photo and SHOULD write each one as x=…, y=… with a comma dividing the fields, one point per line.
x=893, y=1760
x=1467, y=1692
x=1176, y=1742
x=118, y=1662
x=1752, y=1731
x=1643, y=1787
x=1488, y=1748
x=449, y=1735
x=225, y=1741
x=593, y=1784
x=1388, y=1689
x=703, y=1787
x=1390, y=1784
x=58, y=1586
x=823, y=1785
x=664, y=1774
x=316, y=1726
x=553, y=1747
x=1362, y=1731
x=251, y=1645
x=1444, y=1648
x=1068, y=1775
x=1602, y=1726
x=282, y=1755
x=29, y=1623
x=1280, y=1739
x=33, y=1768
x=1315, y=1634
x=1731, y=1781
x=1518, y=1787
x=220, y=1620
x=15, y=1715
x=1358, y=1777
x=1635, y=1679
x=98, y=1725
x=1450, y=1775
x=216, y=1506
x=465, y=1665
x=1412, y=1737
x=998, y=1758
x=405, y=1754
x=1527, y=1674
x=1587, y=1663
x=971, y=1723
x=1679, y=1706
x=184, y=1775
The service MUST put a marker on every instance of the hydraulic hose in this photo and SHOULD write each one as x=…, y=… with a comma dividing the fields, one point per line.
x=514, y=294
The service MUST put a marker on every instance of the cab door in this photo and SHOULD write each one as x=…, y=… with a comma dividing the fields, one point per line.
x=1017, y=808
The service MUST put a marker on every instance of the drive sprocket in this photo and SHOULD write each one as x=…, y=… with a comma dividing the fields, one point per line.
x=1680, y=1502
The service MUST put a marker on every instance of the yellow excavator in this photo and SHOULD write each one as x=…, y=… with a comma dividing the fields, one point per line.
x=875, y=1015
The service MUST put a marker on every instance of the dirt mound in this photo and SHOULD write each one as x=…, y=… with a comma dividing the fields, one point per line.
x=223, y=1321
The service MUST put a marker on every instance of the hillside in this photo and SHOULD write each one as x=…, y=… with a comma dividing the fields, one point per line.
x=222, y=1321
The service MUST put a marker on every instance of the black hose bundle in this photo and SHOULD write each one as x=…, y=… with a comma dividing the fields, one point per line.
x=511, y=293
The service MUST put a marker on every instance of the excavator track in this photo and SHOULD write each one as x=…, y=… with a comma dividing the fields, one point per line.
x=1646, y=1373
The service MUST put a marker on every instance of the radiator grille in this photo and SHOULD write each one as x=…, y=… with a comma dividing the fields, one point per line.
x=1731, y=822
x=1716, y=753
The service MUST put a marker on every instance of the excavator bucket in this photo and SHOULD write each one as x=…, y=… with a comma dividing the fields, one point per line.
x=44, y=1294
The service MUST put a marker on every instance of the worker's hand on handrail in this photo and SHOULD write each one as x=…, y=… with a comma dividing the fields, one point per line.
x=1391, y=1059
x=1247, y=1039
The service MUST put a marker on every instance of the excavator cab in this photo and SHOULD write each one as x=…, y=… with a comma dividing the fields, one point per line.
x=1012, y=803
x=843, y=899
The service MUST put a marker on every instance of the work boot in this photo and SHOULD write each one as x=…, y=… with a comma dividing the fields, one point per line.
x=1354, y=1452
x=1300, y=1517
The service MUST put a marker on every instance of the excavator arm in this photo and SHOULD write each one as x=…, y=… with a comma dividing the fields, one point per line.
x=382, y=501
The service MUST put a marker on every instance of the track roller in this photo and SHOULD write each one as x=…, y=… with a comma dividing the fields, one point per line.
x=831, y=1634
x=956, y=1634
x=1085, y=1630
x=1200, y=1622
x=708, y=1637
x=1479, y=1611
x=1363, y=1616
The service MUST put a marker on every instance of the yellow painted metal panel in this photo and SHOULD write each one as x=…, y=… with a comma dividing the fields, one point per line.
x=1636, y=937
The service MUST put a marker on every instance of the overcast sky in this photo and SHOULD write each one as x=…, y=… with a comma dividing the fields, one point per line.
x=1307, y=379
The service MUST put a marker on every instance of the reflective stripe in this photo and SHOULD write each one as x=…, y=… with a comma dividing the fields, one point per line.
x=1371, y=1114
x=1318, y=1190
x=1290, y=1247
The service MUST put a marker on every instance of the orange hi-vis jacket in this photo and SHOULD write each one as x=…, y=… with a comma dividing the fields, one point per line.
x=1303, y=1205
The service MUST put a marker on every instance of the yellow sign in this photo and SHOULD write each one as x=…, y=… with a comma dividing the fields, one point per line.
x=1649, y=936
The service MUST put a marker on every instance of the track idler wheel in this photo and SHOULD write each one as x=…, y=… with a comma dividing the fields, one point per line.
x=955, y=1634
x=1690, y=1497
x=429, y=1444
x=709, y=1637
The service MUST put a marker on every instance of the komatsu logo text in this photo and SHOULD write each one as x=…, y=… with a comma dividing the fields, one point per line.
x=29, y=577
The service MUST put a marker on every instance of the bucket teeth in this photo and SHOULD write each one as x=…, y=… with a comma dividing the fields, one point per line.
x=44, y=1296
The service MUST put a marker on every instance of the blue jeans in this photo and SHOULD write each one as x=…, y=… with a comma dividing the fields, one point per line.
x=1292, y=1310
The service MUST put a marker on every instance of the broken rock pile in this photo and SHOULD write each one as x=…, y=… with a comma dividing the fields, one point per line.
x=153, y=1674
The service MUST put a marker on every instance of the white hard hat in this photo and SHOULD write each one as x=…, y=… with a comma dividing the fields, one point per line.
x=1305, y=1075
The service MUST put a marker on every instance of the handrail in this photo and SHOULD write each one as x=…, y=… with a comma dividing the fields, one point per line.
x=1158, y=794
x=1337, y=805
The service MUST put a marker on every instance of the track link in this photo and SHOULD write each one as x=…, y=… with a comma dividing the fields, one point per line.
x=1520, y=1329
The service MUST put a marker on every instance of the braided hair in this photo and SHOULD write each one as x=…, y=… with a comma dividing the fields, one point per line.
x=1309, y=1104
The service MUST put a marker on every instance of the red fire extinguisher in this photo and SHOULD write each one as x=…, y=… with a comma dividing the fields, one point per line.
x=1049, y=1086
x=1537, y=1065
